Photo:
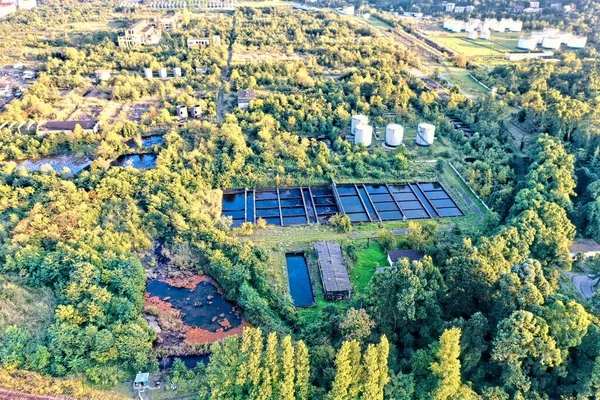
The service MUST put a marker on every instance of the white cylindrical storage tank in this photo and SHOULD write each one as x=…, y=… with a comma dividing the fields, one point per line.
x=485, y=35
x=551, y=43
x=473, y=35
x=363, y=134
x=358, y=119
x=577, y=42
x=394, y=134
x=565, y=37
x=162, y=73
x=177, y=72
x=197, y=111
x=148, y=73
x=447, y=23
x=425, y=134
x=516, y=26
x=527, y=43
x=182, y=112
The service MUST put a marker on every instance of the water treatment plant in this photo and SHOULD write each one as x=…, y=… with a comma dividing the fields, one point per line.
x=361, y=202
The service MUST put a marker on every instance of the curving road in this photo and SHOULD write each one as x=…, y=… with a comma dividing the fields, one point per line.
x=584, y=284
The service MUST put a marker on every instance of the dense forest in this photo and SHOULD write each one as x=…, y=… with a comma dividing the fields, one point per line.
x=487, y=313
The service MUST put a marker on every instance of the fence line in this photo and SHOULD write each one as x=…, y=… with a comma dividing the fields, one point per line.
x=472, y=191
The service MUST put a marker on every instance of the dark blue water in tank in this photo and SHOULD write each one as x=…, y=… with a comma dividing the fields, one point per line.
x=300, y=288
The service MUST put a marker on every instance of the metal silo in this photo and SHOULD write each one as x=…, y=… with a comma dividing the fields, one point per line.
x=363, y=134
x=358, y=120
x=425, y=134
x=394, y=134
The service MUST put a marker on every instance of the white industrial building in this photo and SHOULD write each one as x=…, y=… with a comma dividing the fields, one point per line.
x=196, y=42
x=489, y=24
x=577, y=42
x=197, y=111
x=473, y=35
x=182, y=112
x=348, y=10
x=528, y=55
x=552, y=42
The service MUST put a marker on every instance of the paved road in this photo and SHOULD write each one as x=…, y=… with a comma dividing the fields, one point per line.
x=584, y=284
x=225, y=75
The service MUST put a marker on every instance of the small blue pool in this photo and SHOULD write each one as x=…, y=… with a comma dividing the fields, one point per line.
x=299, y=280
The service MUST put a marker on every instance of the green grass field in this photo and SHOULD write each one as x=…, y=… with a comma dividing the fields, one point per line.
x=368, y=260
x=497, y=46
x=461, y=77
x=376, y=22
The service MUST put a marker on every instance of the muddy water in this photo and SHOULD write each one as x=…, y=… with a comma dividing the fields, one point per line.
x=202, y=307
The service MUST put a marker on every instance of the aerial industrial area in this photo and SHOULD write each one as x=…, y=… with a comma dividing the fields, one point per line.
x=299, y=200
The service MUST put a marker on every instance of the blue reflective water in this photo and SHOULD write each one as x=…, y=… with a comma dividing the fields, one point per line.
x=300, y=287
x=149, y=141
x=138, y=161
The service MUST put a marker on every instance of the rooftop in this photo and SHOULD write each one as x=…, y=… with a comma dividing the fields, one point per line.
x=246, y=94
x=333, y=271
x=412, y=255
x=584, y=246
x=69, y=125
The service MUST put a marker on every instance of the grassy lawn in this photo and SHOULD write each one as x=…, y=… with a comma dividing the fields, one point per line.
x=376, y=22
x=461, y=77
x=470, y=48
x=368, y=260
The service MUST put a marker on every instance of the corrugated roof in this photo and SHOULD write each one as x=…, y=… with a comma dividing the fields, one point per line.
x=584, y=246
x=333, y=271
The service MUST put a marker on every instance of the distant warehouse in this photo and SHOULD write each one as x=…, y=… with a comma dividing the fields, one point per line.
x=528, y=55
x=334, y=275
x=90, y=126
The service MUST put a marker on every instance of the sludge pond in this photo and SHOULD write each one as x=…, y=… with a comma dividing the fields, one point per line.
x=189, y=311
x=201, y=307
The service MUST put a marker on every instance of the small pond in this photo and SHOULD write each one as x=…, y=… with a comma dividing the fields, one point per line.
x=166, y=363
x=202, y=307
x=58, y=163
x=470, y=160
x=138, y=161
x=299, y=280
